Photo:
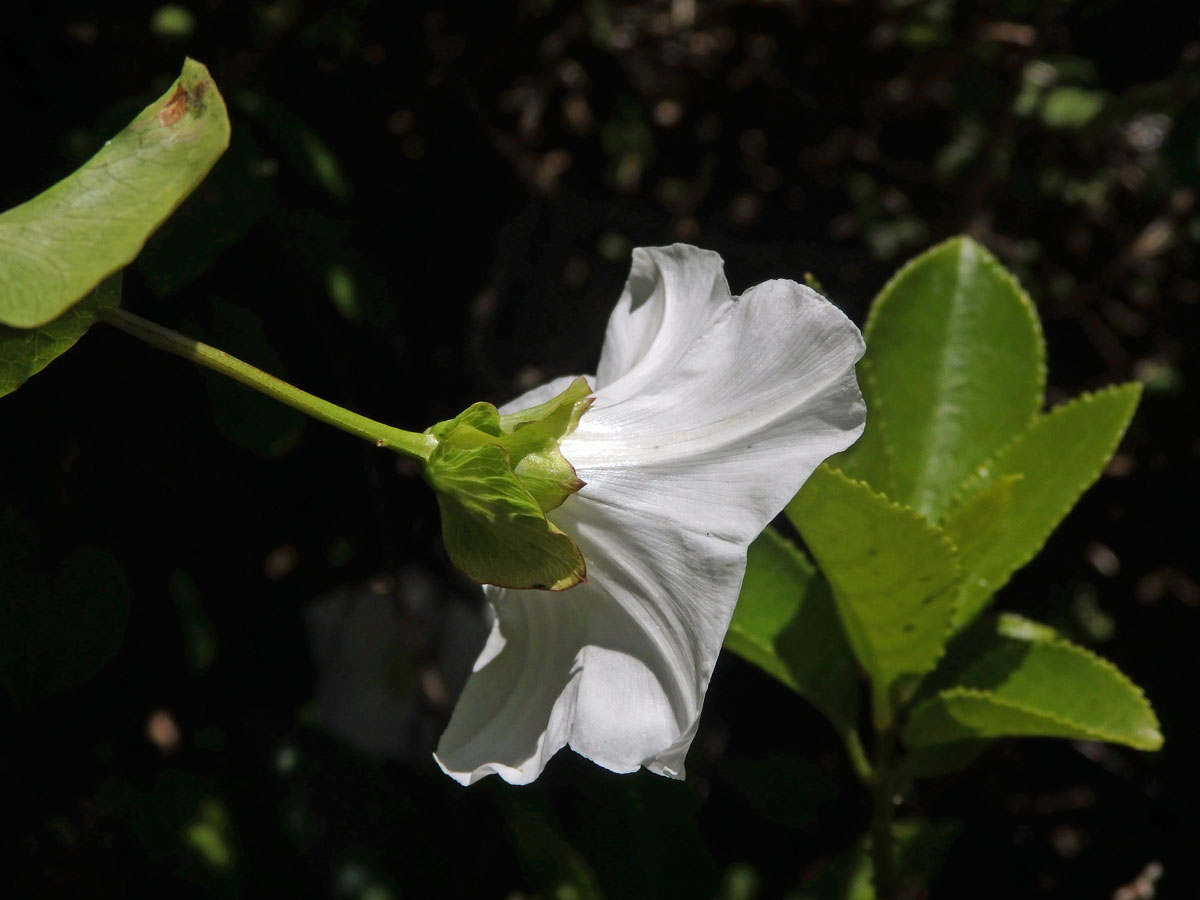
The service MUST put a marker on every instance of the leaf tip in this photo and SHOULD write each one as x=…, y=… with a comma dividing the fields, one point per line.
x=1150, y=738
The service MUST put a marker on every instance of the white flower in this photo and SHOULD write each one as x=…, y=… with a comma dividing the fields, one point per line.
x=710, y=413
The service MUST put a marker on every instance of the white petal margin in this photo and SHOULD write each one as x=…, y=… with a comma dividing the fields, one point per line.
x=710, y=414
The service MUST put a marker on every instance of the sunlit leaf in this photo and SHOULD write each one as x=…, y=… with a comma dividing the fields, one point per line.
x=1057, y=458
x=56, y=247
x=954, y=369
x=893, y=573
x=1029, y=682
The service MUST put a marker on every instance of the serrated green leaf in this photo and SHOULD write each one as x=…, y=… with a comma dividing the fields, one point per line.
x=977, y=640
x=954, y=368
x=25, y=352
x=974, y=526
x=493, y=528
x=786, y=624
x=893, y=573
x=59, y=245
x=1028, y=682
x=979, y=519
x=1057, y=458
x=964, y=649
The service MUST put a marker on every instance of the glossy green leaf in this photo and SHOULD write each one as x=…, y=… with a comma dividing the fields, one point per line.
x=26, y=351
x=1027, y=681
x=964, y=649
x=786, y=624
x=56, y=247
x=1057, y=458
x=975, y=526
x=893, y=573
x=978, y=521
x=954, y=369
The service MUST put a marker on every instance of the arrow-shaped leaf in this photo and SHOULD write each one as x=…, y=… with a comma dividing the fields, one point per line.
x=56, y=247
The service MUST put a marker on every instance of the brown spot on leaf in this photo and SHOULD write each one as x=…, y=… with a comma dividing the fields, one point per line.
x=174, y=108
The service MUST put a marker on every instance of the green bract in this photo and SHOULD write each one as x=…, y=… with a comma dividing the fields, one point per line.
x=496, y=476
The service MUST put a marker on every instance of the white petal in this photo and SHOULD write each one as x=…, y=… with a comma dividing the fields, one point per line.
x=658, y=600
x=753, y=405
x=515, y=712
x=670, y=295
x=580, y=668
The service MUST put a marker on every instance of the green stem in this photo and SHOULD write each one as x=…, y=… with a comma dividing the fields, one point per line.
x=858, y=756
x=408, y=443
x=882, y=716
x=883, y=840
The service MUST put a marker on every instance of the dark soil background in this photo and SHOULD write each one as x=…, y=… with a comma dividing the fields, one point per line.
x=233, y=637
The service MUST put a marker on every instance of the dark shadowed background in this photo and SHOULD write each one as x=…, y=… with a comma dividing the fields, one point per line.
x=229, y=637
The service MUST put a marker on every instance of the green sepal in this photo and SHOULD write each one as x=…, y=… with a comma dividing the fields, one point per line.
x=492, y=526
x=59, y=245
x=496, y=476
